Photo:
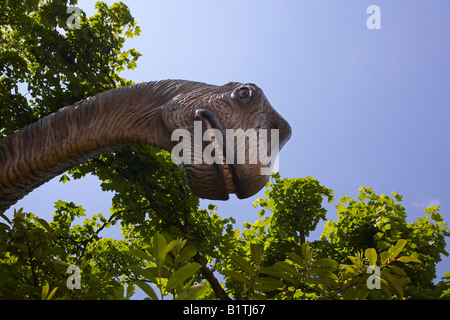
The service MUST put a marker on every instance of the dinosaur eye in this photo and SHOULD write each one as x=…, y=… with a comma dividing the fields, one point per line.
x=244, y=94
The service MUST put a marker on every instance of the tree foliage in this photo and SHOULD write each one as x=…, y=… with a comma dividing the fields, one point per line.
x=58, y=66
x=180, y=263
x=379, y=221
x=170, y=248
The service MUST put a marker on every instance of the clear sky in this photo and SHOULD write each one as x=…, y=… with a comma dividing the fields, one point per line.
x=367, y=107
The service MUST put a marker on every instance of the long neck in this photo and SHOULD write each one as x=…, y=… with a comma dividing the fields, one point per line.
x=54, y=144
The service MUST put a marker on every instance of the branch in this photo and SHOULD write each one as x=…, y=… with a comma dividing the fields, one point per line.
x=209, y=275
x=87, y=241
x=186, y=229
x=302, y=232
x=352, y=284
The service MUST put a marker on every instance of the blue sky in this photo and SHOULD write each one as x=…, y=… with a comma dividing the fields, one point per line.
x=367, y=107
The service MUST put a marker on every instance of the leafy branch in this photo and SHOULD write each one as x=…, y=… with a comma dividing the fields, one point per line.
x=170, y=273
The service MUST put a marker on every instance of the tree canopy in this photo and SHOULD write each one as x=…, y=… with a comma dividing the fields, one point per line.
x=171, y=248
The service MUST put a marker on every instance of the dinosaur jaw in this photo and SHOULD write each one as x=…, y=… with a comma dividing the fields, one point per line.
x=223, y=174
x=222, y=177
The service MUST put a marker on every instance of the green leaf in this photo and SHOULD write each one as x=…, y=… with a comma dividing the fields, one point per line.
x=395, y=284
x=192, y=292
x=345, y=199
x=279, y=273
x=44, y=291
x=130, y=290
x=243, y=264
x=356, y=293
x=407, y=259
x=147, y=289
x=145, y=273
x=307, y=252
x=324, y=281
x=118, y=293
x=50, y=296
x=385, y=288
x=356, y=262
x=296, y=258
x=287, y=268
x=362, y=196
x=179, y=244
x=141, y=254
x=64, y=178
x=349, y=270
x=45, y=224
x=385, y=255
x=256, y=254
x=236, y=276
x=171, y=245
x=371, y=255
x=327, y=263
x=132, y=65
x=159, y=249
x=397, y=270
x=157, y=272
x=182, y=274
x=268, y=284
x=322, y=273
x=398, y=248
x=6, y=218
x=186, y=253
x=273, y=271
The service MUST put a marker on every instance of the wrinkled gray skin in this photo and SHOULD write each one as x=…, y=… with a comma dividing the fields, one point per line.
x=145, y=113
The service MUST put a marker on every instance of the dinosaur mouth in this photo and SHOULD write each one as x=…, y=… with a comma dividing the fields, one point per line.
x=227, y=177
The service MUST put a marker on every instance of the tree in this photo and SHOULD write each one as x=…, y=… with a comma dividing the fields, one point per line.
x=379, y=221
x=59, y=66
x=171, y=248
x=371, y=229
